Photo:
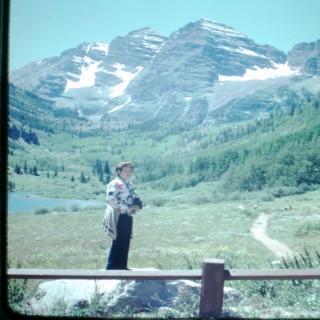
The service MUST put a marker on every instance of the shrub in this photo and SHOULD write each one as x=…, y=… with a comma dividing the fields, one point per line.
x=16, y=288
x=41, y=210
x=289, y=191
x=75, y=207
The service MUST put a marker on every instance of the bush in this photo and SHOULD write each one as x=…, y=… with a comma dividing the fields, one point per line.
x=16, y=288
x=284, y=191
x=41, y=210
x=75, y=207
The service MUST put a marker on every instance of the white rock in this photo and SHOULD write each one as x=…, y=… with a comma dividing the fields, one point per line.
x=136, y=294
x=67, y=290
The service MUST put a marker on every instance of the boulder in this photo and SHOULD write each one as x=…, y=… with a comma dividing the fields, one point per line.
x=140, y=296
x=150, y=294
x=72, y=294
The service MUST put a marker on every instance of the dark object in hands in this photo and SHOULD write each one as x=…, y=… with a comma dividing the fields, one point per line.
x=137, y=202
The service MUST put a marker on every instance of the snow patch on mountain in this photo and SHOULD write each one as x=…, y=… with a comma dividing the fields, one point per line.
x=120, y=106
x=87, y=76
x=249, y=52
x=280, y=70
x=125, y=76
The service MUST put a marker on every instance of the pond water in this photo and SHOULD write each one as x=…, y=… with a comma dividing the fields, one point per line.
x=27, y=202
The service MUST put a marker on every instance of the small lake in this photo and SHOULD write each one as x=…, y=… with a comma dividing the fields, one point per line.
x=27, y=202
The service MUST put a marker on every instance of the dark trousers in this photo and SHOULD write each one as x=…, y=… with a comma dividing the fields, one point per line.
x=118, y=255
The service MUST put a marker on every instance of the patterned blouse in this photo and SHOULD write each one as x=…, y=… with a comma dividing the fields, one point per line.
x=120, y=194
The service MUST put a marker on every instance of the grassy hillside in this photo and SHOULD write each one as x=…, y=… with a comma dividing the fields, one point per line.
x=278, y=154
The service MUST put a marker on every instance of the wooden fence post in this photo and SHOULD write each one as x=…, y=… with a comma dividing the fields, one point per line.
x=211, y=298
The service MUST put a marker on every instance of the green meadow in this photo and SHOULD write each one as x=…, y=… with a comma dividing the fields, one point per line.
x=168, y=236
x=179, y=235
x=202, y=187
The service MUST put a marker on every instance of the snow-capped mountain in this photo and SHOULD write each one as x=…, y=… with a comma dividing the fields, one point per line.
x=192, y=75
x=90, y=76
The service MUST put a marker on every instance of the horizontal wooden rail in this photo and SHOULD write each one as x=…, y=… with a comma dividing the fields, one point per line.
x=250, y=274
x=272, y=274
x=104, y=274
x=212, y=278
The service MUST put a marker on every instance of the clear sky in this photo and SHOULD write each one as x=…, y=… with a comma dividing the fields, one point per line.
x=44, y=28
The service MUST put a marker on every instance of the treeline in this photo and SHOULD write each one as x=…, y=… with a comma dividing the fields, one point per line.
x=18, y=94
x=102, y=172
x=38, y=113
x=35, y=122
x=18, y=169
x=30, y=110
x=30, y=137
x=290, y=161
x=286, y=159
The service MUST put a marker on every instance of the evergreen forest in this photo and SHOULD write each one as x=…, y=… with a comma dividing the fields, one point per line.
x=278, y=154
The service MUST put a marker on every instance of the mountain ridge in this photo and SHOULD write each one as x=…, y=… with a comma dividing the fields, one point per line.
x=144, y=75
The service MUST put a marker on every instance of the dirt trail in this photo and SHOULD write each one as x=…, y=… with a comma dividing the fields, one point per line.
x=259, y=232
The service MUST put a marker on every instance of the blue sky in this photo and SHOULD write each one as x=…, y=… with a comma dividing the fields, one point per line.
x=44, y=28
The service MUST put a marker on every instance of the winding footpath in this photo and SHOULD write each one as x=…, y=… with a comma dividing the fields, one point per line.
x=259, y=232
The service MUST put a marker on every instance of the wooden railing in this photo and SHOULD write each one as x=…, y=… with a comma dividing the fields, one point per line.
x=212, y=276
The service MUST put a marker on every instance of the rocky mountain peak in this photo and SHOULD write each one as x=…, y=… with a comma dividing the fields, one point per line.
x=144, y=75
x=136, y=48
x=216, y=27
x=306, y=56
x=213, y=48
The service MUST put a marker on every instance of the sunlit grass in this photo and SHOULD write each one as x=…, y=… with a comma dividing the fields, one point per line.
x=163, y=237
x=179, y=235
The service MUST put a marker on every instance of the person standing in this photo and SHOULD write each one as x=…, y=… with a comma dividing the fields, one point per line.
x=118, y=220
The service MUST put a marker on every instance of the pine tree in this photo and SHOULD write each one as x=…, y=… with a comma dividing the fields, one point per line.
x=17, y=169
x=100, y=176
x=107, y=168
x=83, y=178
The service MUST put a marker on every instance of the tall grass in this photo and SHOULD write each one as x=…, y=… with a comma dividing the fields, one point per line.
x=281, y=299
